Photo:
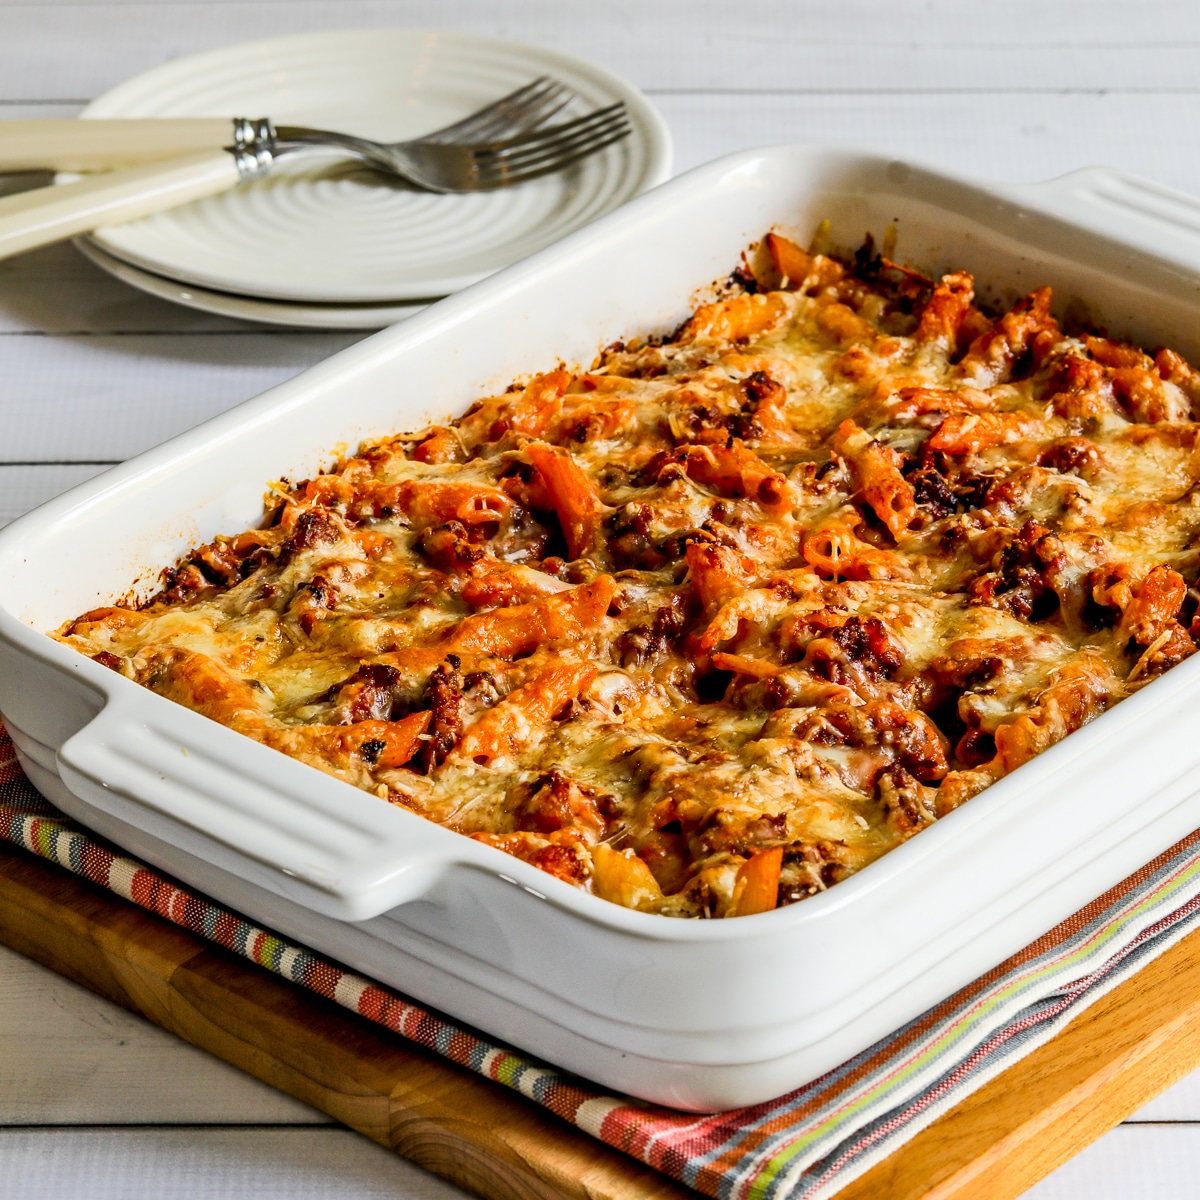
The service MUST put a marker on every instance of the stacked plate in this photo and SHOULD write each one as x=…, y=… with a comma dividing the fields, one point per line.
x=321, y=242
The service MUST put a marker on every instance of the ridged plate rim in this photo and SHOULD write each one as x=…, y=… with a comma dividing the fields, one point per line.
x=178, y=245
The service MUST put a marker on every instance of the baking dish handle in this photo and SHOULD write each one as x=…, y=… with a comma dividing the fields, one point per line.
x=1139, y=212
x=190, y=783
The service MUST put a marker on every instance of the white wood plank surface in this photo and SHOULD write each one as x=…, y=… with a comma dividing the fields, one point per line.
x=1134, y=1162
x=110, y=396
x=208, y=1164
x=698, y=45
x=56, y=290
x=67, y=1058
x=1023, y=136
x=1179, y=1103
x=25, y=487
x=92, y=371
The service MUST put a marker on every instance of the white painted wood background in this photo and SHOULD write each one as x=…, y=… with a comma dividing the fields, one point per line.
x=96, y=1103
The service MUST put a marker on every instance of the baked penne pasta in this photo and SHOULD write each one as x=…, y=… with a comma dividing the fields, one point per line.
x=715, y=621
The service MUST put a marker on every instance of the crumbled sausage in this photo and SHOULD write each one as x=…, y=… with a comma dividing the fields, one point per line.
x=446, y=724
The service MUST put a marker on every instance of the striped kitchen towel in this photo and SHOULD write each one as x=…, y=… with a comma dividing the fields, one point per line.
x=803, y=1146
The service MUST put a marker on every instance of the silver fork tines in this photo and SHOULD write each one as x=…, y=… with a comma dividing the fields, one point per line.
x=514, y=160
x=519, y=111
x=452, y=166
x=525, y=157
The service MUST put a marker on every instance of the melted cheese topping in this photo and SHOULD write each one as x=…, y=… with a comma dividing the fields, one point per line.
x=717, y=623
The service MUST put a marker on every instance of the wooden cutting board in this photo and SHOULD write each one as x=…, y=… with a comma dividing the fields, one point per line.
x=1125, y=1049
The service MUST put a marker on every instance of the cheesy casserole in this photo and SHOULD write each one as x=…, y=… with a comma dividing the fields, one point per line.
x=713, y=625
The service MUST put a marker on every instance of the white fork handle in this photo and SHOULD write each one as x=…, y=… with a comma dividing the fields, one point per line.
x=71, y=144
x=50, y=214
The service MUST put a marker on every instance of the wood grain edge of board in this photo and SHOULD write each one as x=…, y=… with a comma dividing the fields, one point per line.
x=450, y=1121
x=1117, y=1055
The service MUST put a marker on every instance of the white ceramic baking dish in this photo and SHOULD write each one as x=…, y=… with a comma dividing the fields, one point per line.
x=699, y=1015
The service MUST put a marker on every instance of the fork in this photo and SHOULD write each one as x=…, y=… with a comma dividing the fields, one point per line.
x=482, y=167
x=44, y=215
x=71, y=144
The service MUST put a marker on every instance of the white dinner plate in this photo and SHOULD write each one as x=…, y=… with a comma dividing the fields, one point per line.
x=295, y=314
x=321, y=231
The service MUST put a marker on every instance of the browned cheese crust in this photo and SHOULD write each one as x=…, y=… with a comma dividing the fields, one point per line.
x=717, y=623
